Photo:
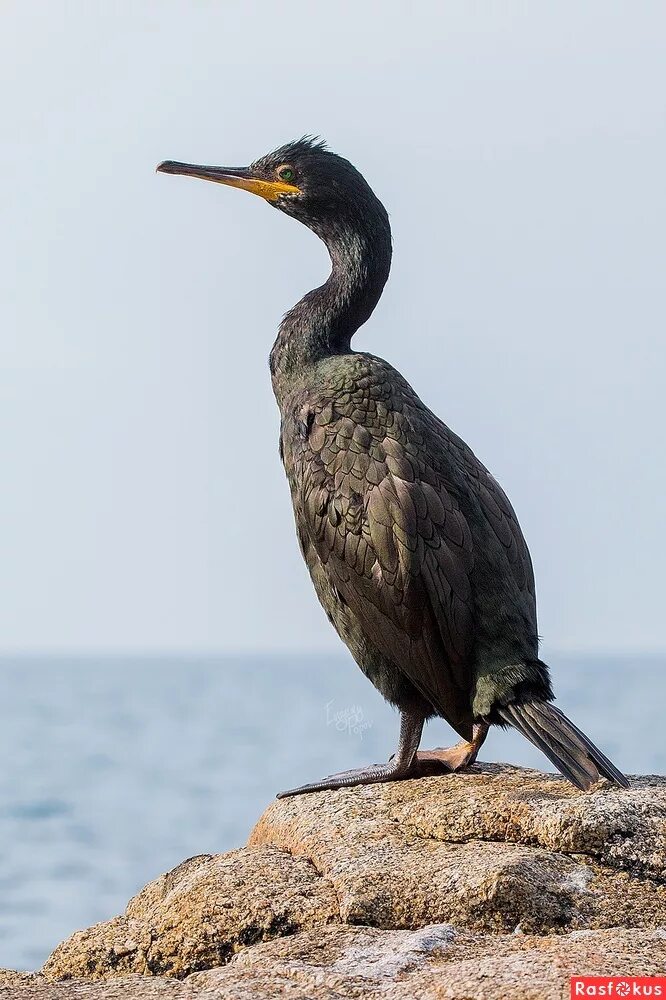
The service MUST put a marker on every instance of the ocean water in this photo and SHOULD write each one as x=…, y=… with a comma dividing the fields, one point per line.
x=115, y=770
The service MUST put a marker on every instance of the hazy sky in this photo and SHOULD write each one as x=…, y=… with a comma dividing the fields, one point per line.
x=520, y=149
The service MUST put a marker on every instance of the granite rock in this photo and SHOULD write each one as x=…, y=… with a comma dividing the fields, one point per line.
x=340, y=962
x=199, y=914
x=426, y=883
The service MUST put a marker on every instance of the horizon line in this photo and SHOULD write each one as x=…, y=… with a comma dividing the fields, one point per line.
x=209, y=653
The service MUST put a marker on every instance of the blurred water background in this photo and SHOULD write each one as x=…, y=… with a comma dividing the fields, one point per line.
x=114, y=770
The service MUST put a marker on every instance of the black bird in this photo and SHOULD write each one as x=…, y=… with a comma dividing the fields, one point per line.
x=413, y=548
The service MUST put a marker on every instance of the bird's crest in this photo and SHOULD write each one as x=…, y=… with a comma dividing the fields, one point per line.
x=298, y=147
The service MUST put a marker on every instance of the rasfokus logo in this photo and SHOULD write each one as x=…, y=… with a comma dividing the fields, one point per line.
x=618, y=986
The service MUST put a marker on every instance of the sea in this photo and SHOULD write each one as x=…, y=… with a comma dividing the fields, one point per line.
x=115, y=769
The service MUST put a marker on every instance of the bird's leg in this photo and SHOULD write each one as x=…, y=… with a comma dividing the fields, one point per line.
x=461, y=755
x=403, y=763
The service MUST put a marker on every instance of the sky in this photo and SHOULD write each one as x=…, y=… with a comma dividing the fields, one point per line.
x=520, y=150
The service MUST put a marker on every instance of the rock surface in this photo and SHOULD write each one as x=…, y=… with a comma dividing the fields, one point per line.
x=345, y=963
x=492, y=849
x=199, y=914
x=126, y=988
x=472, y=885
x=432, y=963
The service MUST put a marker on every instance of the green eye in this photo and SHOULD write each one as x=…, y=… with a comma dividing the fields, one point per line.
x=286, y=174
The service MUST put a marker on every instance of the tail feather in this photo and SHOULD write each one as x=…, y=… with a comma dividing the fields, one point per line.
x=565, y=745
x=577, y=769
x=606, y=767
x=554, y=731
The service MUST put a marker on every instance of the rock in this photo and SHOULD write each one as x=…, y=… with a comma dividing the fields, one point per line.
x=492, y=849
x=10, y=978
x=125, y=988
x=622, y=828
x=434, y=963
x=499, y=869
x=199, y=914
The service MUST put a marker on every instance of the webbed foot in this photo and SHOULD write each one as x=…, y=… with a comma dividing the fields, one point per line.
x=403, y=764
x=393, y=770
x=456, y=757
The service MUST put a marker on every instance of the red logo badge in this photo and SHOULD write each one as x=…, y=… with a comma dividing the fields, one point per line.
x=618, y=986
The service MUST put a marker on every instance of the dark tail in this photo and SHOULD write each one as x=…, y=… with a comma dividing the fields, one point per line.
x=563, y=743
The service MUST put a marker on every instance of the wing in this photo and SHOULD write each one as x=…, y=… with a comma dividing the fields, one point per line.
x=394, y=544
x=501, y=518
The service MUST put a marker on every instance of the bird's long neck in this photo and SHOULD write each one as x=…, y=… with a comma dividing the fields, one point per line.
x=323, y=323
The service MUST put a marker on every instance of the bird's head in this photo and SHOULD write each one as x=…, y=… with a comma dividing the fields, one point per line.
x=303, y=179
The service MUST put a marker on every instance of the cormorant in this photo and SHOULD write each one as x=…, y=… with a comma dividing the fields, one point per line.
x=413, y=548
